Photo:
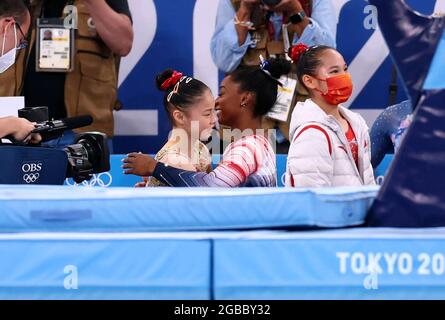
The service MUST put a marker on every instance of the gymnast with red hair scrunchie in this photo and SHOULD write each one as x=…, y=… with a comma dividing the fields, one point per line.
x=246, y=95
x=188, y=102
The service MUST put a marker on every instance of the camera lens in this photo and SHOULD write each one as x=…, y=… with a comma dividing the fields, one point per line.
x=89, y=155
x=90, y=151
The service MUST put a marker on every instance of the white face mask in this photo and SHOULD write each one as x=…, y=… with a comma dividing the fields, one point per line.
x=8, y=59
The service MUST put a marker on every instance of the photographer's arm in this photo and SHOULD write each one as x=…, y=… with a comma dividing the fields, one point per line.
x=114, y=28
x=292, y=7
x=228, y=46
x=320, y=29
x=244, y=14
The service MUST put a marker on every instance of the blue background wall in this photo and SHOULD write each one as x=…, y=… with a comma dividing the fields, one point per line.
x=174, y=45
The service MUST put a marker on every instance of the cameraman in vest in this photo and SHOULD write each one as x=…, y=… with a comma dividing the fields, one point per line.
x=14, y=19
x=76, y=72
x=248, y=29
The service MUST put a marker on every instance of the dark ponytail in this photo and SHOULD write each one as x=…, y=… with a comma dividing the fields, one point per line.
x=262, y=81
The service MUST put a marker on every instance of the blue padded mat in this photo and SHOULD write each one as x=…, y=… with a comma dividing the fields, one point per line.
x=405, y=264
x=103, y=266
x=44, y=208
x=344, y=264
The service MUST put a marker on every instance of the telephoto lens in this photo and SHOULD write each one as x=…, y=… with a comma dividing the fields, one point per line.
x=88, y=155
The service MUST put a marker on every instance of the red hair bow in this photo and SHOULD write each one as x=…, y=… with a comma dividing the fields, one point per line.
x=173, y=80
x=297, y=51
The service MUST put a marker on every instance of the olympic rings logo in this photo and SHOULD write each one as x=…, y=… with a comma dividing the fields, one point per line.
x=31, y=177
x=379, y=180
x=283, y=179
x=102, y=180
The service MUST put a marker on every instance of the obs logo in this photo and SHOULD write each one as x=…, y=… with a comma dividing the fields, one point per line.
x=31, y=172
x=102, y=180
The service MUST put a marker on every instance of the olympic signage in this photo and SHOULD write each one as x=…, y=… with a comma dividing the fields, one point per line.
x=31, y=172
x=111, y=179
x=102, y=180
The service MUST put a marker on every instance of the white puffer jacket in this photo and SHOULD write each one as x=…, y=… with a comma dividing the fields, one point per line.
x=320, y=156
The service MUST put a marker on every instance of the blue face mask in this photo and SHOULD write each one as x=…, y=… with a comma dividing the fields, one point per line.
x=8, y=59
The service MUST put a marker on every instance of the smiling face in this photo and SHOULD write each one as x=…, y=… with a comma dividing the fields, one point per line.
x=204, y=114
x=200, y=116
x=229, y=102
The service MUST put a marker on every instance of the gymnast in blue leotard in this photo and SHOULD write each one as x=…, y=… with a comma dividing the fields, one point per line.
x=388, y=131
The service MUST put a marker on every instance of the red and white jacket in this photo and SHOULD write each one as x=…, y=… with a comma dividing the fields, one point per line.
x=320, y=156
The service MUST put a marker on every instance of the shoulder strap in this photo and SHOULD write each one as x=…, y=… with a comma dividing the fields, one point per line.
x=321, y=129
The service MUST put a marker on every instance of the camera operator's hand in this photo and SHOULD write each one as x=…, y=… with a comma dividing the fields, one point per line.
x=35, y=138
x=20, y=129
x=139, y=164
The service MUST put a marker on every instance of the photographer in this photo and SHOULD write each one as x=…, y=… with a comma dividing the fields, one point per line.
x=248, y=29
x=18, y=128
x=76, y=73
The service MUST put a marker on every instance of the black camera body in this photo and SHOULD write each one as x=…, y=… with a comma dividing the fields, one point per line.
x=89, y=154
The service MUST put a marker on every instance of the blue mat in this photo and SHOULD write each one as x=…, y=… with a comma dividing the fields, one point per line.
x=349, y=264
x=342, y=264
x=103, y=266
x=36, y=208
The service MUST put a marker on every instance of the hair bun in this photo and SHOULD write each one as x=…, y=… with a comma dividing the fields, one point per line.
x=277, y=67
x=168, y=79
x=297, y=51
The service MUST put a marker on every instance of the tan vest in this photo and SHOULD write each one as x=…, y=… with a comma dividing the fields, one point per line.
x=91, y=88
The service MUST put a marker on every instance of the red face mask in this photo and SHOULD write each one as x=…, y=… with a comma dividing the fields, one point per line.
x=339, y=89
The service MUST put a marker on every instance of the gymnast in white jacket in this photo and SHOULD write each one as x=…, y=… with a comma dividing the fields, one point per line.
x=330, y=145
